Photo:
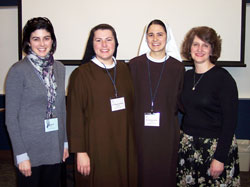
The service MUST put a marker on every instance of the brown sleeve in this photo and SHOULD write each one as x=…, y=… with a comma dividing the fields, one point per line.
x=76, y=103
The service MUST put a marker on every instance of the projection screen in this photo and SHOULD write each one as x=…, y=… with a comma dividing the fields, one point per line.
x=73, y=20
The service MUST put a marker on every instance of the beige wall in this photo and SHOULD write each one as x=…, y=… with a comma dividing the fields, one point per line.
x=8, y=41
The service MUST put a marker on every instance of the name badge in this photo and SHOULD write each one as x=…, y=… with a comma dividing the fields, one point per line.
x=51, y=124
x=117, y=104
x=152, y=119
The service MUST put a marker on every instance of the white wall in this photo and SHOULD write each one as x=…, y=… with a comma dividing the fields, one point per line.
x=242, y=75
x=8, y=41
x=9, y=51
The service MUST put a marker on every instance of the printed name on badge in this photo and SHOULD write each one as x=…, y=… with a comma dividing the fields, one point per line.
x=117, y=104
x=152, y=119
x=51, y=124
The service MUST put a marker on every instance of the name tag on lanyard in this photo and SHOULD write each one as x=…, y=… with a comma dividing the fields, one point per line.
x=117, y=104
x=152, y=119
x=51, y=124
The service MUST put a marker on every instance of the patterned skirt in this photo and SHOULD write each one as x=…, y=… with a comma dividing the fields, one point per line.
x=194, y=163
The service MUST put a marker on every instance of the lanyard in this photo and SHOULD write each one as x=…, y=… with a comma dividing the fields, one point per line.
x=113, y=80
x=157, y=86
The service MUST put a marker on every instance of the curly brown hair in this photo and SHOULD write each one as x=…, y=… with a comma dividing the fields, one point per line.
x=207, y=35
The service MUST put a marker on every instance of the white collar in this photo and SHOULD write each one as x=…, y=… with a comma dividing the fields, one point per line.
x=156, y=60
x=171, y=47
x=102, y=65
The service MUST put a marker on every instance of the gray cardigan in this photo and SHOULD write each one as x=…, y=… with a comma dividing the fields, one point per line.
x=26, y=103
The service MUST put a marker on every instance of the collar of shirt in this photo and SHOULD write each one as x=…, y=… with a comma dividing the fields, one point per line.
x=156, y=60
x=97, y=62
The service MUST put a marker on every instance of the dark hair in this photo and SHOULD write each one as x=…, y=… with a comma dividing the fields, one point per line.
x=89, y=51
x=157, y=22
x=33, y=25
x=207, y=35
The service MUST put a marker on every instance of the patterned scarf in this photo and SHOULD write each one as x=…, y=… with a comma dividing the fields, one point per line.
x=45, y=71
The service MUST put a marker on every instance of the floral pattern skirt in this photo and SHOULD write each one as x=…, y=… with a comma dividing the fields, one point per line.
x=194, y=157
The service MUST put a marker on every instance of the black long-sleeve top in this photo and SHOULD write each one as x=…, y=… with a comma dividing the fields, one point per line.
x=211, y=109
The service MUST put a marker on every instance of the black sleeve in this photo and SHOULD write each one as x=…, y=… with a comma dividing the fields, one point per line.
x=228, y=96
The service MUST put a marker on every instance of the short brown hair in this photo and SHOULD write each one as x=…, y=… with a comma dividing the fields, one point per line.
x=206, y=34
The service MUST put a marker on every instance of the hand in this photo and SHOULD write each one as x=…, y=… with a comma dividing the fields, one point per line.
x=83, y=163
x=25, y=168
x=65, y=154
x=216, y=168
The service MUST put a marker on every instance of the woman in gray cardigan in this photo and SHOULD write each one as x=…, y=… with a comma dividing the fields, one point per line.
x=35, y=108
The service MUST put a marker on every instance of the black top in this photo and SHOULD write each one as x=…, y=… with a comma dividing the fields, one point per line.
x=211, y=109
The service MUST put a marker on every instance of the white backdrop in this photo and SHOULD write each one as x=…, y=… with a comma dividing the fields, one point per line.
x=74, y=19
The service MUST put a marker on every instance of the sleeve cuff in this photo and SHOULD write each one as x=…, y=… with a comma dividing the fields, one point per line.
x=22, y=157
x=66, y=145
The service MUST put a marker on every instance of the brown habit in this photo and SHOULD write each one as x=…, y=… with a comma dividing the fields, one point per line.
x=157, y=146
x=106, y=136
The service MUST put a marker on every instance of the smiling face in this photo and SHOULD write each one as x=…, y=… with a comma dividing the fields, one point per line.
x=200, y=51
x=156, y=39
x=104, y=46
x=41, y=42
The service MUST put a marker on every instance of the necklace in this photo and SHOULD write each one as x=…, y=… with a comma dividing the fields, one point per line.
x=195, y=83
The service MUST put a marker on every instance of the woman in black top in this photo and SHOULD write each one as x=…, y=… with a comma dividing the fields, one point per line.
x=208, y=153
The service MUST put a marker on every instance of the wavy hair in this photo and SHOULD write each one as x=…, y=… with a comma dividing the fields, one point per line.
x=207, y=35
